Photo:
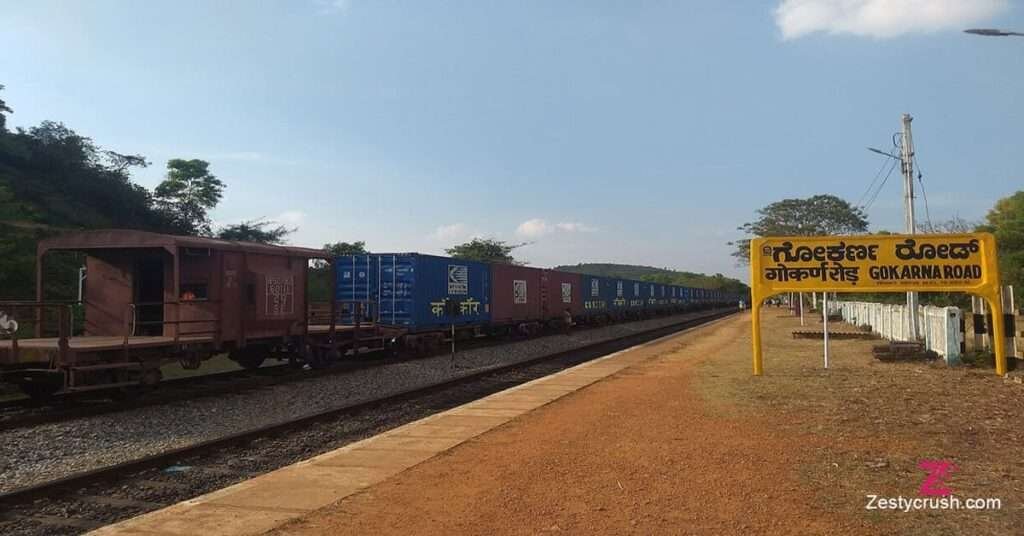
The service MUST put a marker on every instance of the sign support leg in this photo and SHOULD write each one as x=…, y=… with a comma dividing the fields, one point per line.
x=824, y=322
x=801, y=308
x=755, y=320
x=998, y=341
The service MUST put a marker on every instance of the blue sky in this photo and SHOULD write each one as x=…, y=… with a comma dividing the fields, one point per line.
x=637, y=132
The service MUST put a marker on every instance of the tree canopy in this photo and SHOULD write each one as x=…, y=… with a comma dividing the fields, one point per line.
x=188, y=193
x=262, y=231
x=336, y=249
x=1006, y=222
x=955, y=224
x=819, y=215
x=51, y=180
x=485, y=250
x=4, y=109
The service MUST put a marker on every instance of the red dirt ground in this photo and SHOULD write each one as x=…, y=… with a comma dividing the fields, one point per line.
x=689, y=443
x=640, y=452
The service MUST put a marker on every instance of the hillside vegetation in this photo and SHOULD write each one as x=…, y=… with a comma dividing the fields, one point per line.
x=53, y=180
x=658, y=275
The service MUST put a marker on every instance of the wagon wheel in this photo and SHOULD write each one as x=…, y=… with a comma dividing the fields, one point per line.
x=322, y=357
x=39, y=391
x=393, y=346
x=250, y=357
x=419, y=345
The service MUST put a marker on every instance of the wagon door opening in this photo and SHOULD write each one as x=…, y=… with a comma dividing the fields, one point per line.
x=149, y=296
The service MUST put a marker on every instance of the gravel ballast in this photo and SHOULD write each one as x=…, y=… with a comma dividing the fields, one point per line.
x=33, y=455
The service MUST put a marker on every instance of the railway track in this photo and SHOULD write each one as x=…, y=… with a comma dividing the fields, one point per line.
x=91, y=499
x=25, y=412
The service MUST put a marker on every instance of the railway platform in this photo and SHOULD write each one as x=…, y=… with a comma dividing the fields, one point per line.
x=622, y=444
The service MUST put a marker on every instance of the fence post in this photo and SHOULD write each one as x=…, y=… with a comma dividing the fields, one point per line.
x=954, y=337
x=1009, y=320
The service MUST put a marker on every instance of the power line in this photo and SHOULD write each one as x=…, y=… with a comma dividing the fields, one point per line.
x=860, y=201
x=892, y=166
x=927, y=212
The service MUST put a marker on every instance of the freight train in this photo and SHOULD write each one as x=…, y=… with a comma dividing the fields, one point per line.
x=151, y=299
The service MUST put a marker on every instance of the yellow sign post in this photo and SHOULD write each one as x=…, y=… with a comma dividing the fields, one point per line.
x=876, y=263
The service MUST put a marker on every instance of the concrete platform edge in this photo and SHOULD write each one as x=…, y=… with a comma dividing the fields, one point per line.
x=258, y=505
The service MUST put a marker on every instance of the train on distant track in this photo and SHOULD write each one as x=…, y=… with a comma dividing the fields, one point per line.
x=151, y=299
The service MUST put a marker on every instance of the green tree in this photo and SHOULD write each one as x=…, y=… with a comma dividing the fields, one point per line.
x=188, y=193
x=485, y=250
x=1006, y=222
x=119, y=163
x=337, y=249
x=3, y=109
x=320, y=276
x=819, y=215
x=261, y=231
x=956, y=224
x=52, y=180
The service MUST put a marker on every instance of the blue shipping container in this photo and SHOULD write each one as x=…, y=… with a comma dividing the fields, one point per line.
x=621, y=292
x=598, y=294
x=410, y=289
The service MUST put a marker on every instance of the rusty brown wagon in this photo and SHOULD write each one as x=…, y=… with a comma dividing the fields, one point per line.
x=150, y=299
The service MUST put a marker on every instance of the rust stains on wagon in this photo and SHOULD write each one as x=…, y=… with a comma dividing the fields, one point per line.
x=151, y=297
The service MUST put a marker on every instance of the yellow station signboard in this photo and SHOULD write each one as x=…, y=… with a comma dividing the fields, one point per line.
x=876, y=263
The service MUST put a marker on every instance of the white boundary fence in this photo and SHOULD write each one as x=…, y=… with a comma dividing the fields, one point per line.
x=940, y=326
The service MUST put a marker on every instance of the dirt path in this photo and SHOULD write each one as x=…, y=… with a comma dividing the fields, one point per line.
x=641, y=452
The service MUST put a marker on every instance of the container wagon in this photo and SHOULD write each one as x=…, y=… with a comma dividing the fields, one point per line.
x=526, y=300
x=598, y=295
x=422, y=298
x=516, y=298
x=562, y=292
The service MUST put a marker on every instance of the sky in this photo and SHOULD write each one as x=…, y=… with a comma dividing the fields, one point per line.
x=636, y=132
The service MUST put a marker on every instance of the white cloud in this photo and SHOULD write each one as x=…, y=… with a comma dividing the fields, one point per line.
x=537, y=227
x=533, y=228
x=453, y=232
x=290, y=217
x=880, y=18
x=575, y=227
x=328, y=7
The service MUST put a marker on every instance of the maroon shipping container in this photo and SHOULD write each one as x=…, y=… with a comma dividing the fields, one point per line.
x=515, y=293
x=562, y=290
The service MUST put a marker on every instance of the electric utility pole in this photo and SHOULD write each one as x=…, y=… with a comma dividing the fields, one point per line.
x=907, y=166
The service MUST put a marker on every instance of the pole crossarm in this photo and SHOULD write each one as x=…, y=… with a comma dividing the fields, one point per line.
x=876, y=263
